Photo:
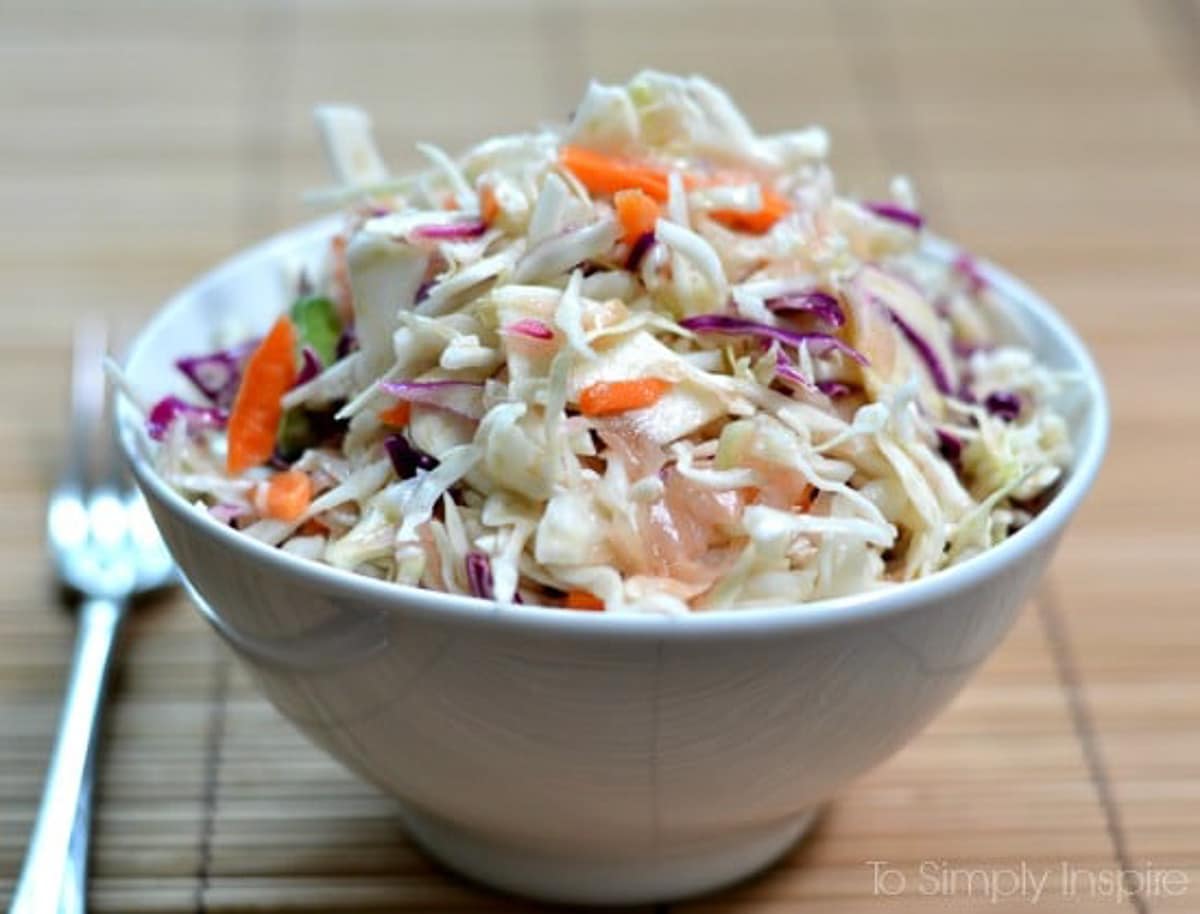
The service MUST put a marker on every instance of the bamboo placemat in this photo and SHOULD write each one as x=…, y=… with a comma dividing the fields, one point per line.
x=144, y=141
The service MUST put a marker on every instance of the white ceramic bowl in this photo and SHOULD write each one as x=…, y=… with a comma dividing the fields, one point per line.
x=577, y=756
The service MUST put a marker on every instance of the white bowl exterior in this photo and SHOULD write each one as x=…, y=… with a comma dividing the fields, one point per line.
x=615, y=742
x=612, y=740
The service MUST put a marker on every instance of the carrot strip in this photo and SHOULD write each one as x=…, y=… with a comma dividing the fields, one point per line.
x=637, y=213
x=288, y=495
x=807, y=497
x=257, y=409
x=605, y=397
x=313, y=527
x=489, y=206
x=603, y=174
x=397, y=414
x=773, y=209
x=581, y=599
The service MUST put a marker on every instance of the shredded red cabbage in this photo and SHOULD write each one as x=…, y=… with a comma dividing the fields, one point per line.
x=218, y=374
x=937, y=371
x=818, y=343
x=835, y=390
x=463, y=398
x=227, y=514
x=819, y=304
x=950, y=446
x=479, y=576
x=457, y=231
x=310, y=366
x=169, y=409
x=1003, y=404
x=789, y=372
x=895, y=213
x=347, y=342
x=639, y=250
x=405, y=458
x=966, y=266
x=966, y=350
x=530, y=327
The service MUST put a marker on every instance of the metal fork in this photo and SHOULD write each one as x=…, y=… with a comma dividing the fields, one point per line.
x=106, y=550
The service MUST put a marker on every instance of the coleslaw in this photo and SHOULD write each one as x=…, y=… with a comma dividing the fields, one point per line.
x=647, y=361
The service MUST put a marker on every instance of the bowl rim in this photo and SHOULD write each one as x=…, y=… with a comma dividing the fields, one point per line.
x=819, y=614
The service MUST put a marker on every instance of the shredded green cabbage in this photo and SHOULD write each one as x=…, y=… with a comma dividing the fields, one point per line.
x=622, y=457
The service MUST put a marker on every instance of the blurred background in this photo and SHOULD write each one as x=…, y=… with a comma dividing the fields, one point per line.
x=143, y=142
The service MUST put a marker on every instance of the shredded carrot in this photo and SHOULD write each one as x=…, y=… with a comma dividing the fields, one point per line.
x=807, y=497
x=288, y=495
x=449, y=201
x=749, y=493
x=489, y=206
x=397, y=414
x=773, y=209
x=581, y=599
x=254, y=422
x=603, y=174
x=637, y=213
x=606, y=397
x=313, y=527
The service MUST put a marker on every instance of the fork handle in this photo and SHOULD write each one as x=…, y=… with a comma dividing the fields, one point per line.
x=54, y=875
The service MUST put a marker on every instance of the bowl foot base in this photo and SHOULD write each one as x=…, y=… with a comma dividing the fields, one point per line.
x=561, y=877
